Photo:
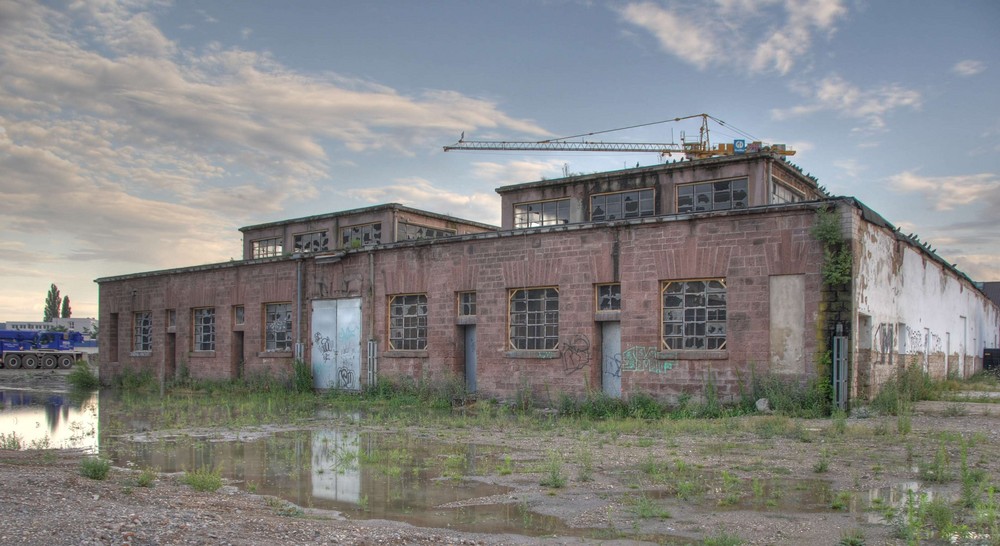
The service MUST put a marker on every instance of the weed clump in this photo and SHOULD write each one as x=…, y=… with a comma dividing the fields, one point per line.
x=203, y=479
x=898, y=394
x=82, y=377
x=95, y=468
x=401, y=391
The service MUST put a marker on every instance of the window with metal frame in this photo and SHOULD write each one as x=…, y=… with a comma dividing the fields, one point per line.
x=239, y=315
x=781, y=193
x=411, y=232
x=622, y=205
x=541, y=213
x=171, y=318
x=278, y=327
x=609, y=297
x=694, y=314
x=316, y=241
x=723, y=195
x=466, y=304
x=363, y=235
x=533, y=318
x=142, y=340
x=266, y=248
x=408, y=322
x=204, y=329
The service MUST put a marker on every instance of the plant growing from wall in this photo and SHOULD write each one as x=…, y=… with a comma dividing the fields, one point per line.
x=836, y=253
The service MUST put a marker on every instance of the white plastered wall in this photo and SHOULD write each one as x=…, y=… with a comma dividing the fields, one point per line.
x=918, y=311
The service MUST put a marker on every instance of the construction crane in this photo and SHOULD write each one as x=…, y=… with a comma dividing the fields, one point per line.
x=699, y=149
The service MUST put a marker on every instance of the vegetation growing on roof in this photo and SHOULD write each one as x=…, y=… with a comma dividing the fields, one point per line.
x=836, y=253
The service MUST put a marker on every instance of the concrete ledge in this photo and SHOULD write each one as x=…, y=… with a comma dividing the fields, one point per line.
x=533, y=354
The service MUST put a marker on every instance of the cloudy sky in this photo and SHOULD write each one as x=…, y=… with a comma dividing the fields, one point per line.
x=140, y=135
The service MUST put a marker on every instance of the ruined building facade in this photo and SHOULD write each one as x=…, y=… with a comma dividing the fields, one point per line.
x=650, y=280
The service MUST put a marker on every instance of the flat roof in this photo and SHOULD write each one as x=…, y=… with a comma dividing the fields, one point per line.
x=374, y=208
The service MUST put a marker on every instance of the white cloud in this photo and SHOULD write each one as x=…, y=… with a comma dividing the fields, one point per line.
x=835, y=94
x=776, y=33
x=947, y=192
x=968, y=67
x=420, y=193
x=516, y=172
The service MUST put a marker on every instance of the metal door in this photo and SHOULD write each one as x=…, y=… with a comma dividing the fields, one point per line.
x=336, y=344
x=611, y=359
x=470, y=358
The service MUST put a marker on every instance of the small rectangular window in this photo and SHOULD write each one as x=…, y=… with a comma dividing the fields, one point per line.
x=541, y=213
x=142, y=340
x=609, y=297
x=533, y=319
x=171, y=318
x=204, y=329
x=359, y=236
x=410, y=232
x=266, y=248
x=706, y=196
x=317, y=241
x=239, y=315
x=466, y=304
x=408, y=322
x=278, y=323
x=620, y=205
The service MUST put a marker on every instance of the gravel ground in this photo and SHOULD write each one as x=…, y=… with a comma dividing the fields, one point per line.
x=48, y=502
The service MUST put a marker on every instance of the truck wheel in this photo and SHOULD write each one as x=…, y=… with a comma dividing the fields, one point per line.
x=66, y=362
x=30, y=361
x=12, y=361
x=49, y=362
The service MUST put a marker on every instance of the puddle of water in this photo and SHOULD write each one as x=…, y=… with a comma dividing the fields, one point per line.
x=49, y=420
x=359, y=474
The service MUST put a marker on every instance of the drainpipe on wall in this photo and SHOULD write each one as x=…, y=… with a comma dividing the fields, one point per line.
x=372, y=345
x=298, y=306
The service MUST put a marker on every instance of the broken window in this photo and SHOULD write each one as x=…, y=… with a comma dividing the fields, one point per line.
x=694, y=314
x=359, y=236
x=316, y=241
x=278, y=325
x=609, y=297
x=466, y=304
x=728, y=194
x=781, y=193
x=409, y=232
x=142, y=340
x=266, y=248
x=408, y=322
x=625, y=204
x=204, y=329
x=541, y=213
x=534, y=319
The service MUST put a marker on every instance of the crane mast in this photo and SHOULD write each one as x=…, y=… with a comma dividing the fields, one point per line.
x=700, y=149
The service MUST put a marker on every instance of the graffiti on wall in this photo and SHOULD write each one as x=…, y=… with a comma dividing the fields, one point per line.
x=325, y=345
x=884, y=342
x=646, y=359
x=575, y=353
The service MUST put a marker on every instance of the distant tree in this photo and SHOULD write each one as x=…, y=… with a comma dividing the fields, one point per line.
x=66, y=311
x=93, y=331
x=52, y=302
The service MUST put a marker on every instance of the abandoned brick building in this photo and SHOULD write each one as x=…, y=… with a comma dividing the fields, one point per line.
x=647, y=280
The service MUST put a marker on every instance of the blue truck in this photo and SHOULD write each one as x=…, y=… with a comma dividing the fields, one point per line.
x=46, y=350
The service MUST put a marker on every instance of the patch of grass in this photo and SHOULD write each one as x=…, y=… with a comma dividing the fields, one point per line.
x=787, y=396
x=146, y=478
x=11, y=442
x=203, y=479
x=823, y=464
x=585, y=468
x=554, y=476
x=95, y=468
x=285, y=508
x=853, y=537
x=909, y=385
x=645, y=508
x=722, y=538
x=302, y=379
x=81, y=377
x=506, y=466
x=841, y=500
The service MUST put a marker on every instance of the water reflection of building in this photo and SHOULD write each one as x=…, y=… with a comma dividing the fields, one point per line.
x=50, y=420
x=336, y=472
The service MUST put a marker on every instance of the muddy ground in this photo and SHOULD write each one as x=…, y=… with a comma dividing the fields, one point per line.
x=47, y=501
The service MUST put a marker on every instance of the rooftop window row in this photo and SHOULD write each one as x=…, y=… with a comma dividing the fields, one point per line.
x=357, y=236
